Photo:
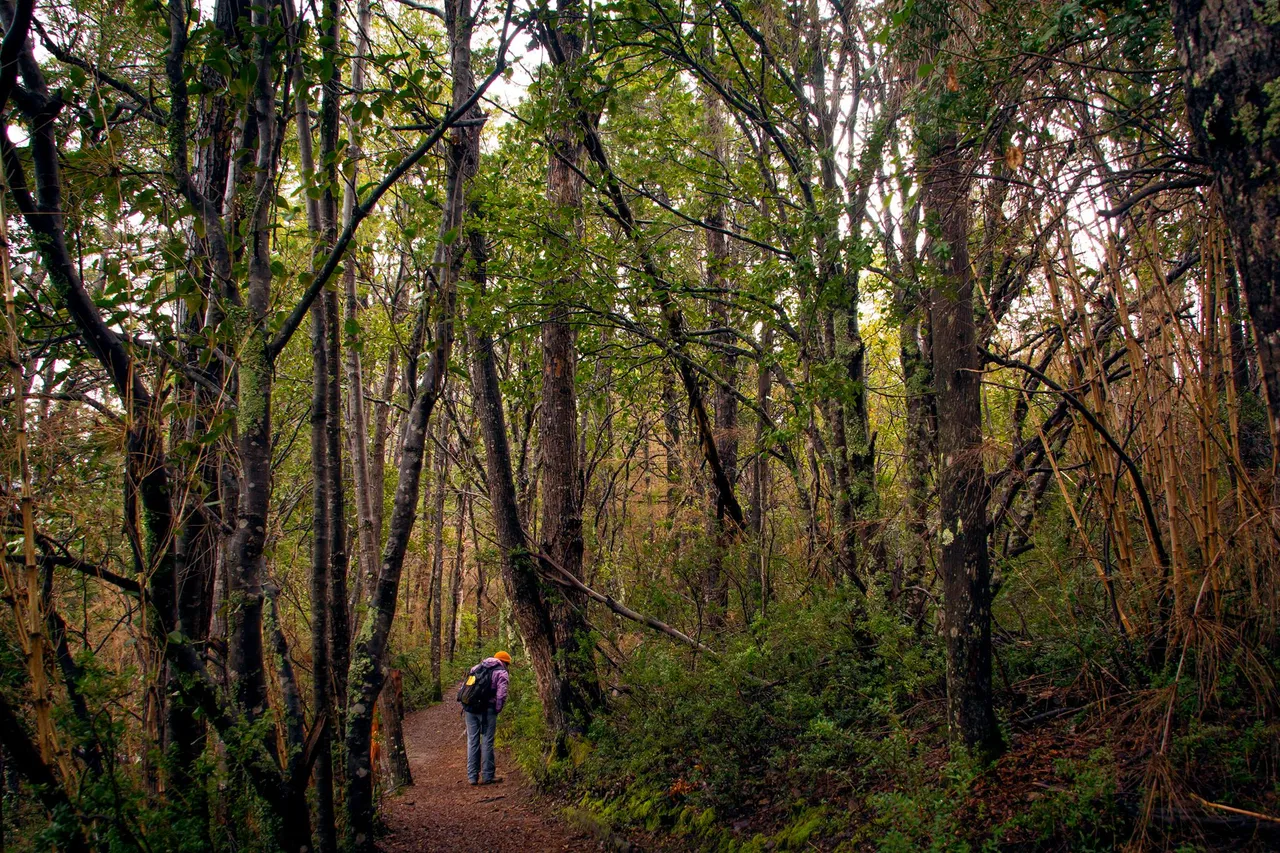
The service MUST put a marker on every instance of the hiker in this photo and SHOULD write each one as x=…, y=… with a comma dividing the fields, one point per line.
x=482, y=694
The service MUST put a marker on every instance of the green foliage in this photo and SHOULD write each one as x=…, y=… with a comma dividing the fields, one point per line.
x=822, y=723
x=1084, y=813
x=793, y=715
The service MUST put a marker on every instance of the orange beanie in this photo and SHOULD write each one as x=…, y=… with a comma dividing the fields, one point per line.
x=503, y=656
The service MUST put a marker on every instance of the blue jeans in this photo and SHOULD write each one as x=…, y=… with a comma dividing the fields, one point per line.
x=480, y=731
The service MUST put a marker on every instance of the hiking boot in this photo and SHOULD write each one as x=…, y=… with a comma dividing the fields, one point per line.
x=495, y=781
x=474, y=782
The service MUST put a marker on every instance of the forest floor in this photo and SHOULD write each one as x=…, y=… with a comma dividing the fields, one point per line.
x=442, y=812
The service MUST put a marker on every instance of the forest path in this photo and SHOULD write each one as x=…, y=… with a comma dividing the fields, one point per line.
x=441, y=812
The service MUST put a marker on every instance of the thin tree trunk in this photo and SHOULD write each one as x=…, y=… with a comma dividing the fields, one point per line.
x=378, y=452
x=253, y=420
x=757, y=509
x=462, y=162
x=914, y=355
x=437, y=564
x=358, y=435
x=455, y=580
x=321, y=600
x=339, y=619
x=671, y=417
x=475, y=549
x=340, y=609
x=321, y=516
x=422, y=583
x=724, y=400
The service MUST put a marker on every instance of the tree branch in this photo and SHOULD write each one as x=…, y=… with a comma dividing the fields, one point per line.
x=14, y=39
x=364, y=208
x=561, y=576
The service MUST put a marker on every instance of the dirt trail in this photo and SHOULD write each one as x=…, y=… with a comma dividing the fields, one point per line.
x=441, y=812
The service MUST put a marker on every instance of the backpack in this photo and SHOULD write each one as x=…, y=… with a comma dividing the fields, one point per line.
x=477, y=690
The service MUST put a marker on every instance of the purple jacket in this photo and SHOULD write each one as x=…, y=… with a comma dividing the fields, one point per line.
x=501, y=680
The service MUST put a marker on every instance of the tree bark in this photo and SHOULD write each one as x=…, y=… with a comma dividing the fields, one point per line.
x=455, y=581
x=368, y=658
x=724, y=399
x=519, y=568
x=562, y=485
x=358, y=433
x=914, y=358
x=1231, y=52
x=324, y=708
x=963, y=490
x=671, y=417
x=391, y=706
x=321, y=547
x=471, y=517
x=339, y=616
x=758, y=507
x=437, y=564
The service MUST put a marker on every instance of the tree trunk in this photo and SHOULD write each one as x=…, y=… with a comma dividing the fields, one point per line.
x=455, y=581
x=340, y=609
x=475, y=549
x=914, y=356
x=1231, y=52
x=758, y=507
x=378, y=452
x=671, y=417
x=437, y=564
x=391, y=709
x=321, y=545
x=963, y=490
x=358, y=434
x=462, y=162
x=917, y=379
x=724, y=400
x=321, y=513
x=253, y=421
x=561, y=534
x=519, y=571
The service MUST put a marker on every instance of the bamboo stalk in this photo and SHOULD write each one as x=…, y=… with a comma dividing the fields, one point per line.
x=1126, y=628
x=31, y=612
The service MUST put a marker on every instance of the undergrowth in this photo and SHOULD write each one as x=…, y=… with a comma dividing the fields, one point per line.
x=822, y=727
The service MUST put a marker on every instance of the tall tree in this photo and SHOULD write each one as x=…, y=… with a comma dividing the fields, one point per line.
x=1230, y=50
x=462, y=158
x=965, y=566
x=562, y=481
x=725, y=399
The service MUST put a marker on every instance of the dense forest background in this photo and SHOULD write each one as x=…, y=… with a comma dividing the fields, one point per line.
x=859, y=420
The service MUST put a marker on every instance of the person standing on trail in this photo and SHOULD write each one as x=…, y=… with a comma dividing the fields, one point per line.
x=482, y=694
